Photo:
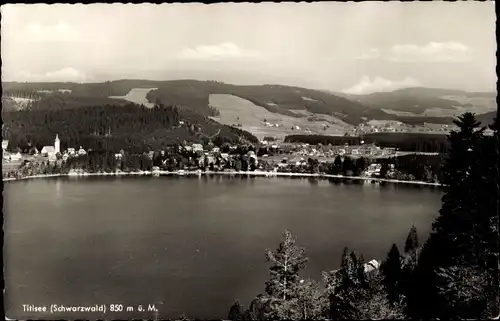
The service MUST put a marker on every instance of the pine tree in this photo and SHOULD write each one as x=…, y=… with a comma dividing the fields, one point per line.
x=282, y=288
x=360, y=166
x=391, y=271
x=257, y=310
x=346, y=287
x=462, y=236
x=384, y=169
x=411, y=244
x=236, y=312
x=337, y=165
x=461, y=170
x=312, y=303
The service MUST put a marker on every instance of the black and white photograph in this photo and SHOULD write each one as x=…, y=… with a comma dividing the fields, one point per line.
x=250, y=161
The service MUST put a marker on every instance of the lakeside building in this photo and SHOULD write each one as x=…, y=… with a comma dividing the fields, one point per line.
x=81, y=151
x=197, y=147
x=52, y=151
x=15, y=157
x=48, y=150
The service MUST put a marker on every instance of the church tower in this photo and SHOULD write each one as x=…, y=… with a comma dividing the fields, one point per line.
x=57, y=144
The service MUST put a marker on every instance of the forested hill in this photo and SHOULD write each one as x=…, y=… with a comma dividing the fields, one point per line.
x=194, y=95
x=112, y=128
x=418, y=100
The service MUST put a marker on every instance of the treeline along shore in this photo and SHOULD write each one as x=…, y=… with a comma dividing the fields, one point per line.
x=233, y=159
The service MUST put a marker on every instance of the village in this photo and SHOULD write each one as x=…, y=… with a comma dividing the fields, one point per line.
x=269, y=157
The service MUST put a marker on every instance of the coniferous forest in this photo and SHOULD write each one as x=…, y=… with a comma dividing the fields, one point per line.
x=454, y=274
x=111, y=128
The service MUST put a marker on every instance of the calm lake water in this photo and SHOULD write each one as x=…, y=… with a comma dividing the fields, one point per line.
x=187, y=245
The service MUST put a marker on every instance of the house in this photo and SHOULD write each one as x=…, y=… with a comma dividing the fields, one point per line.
x=5, y=144
x=65, y=156
x=81, y=151
x=216, y=150
x=71, y=151
x=33, y=151
x=371, y=266
x=15, y=157
x=118, y=156
x=197, y=147
x=48, y=150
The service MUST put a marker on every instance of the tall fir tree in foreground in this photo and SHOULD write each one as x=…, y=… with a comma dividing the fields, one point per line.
x=346, y=287
x=411, y=244
x=283, y=287
x=457, y=261
x=391, y=271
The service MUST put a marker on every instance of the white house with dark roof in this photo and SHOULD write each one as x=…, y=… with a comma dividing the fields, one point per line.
x=47, y=150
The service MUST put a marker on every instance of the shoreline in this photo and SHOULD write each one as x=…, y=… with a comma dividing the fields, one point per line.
x=233, y=173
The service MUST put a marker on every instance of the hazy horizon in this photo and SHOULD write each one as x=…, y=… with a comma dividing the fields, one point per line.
x=353, y=48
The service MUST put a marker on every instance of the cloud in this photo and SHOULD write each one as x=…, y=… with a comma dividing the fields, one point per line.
x=432, y=52
x=367, y=86
x=61, y=31
x=63, y=75
x=370, y=54
x=222, y=51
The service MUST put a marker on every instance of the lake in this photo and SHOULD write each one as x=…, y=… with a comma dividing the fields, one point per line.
x=187, y=245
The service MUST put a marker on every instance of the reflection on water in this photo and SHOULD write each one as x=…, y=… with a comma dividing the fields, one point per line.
x=58, y=189
x=195, y=243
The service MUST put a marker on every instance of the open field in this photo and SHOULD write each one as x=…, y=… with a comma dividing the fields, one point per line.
x=261, y=122
x=7, y=166
x=137, y=96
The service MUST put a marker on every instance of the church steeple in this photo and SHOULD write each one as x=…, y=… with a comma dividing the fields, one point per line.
x=57, y=144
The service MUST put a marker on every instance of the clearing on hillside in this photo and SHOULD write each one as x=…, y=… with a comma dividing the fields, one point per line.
x=137, y=96
x=261, y=122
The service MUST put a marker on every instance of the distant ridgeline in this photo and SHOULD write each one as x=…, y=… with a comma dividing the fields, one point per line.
x=115, y=127
x=413, y=142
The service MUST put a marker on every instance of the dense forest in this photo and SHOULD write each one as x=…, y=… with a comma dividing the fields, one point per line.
x=111, y=128
x=454, y=274
x=429, y=143
x=322, y=139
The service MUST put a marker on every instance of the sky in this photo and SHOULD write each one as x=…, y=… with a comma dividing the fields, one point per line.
x=344, y=47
